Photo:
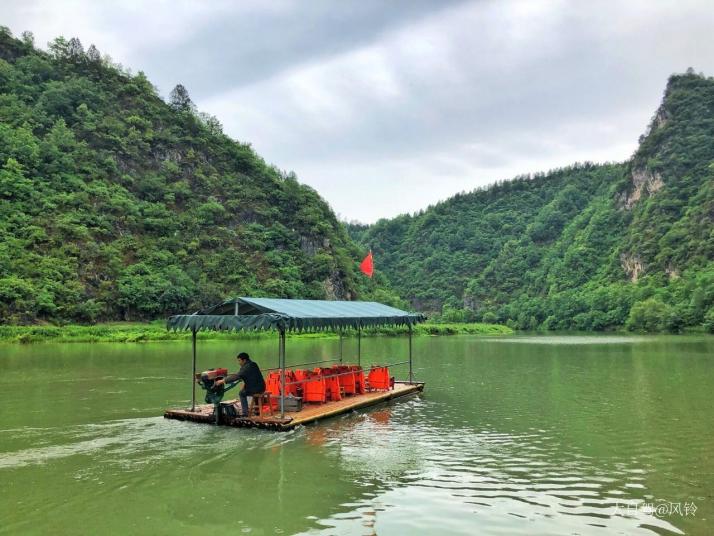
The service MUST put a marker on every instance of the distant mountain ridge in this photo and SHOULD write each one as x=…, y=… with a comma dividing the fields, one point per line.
x=586, y=247
x=117, y=205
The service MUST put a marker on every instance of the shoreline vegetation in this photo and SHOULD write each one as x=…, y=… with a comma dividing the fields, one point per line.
x=156, y=331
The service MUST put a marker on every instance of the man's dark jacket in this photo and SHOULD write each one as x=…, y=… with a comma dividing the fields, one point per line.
x=253, y=382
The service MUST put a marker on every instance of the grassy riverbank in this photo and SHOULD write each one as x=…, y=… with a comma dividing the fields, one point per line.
x=156, y=331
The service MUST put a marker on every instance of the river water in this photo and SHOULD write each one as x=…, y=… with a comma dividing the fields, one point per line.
x=513, y=435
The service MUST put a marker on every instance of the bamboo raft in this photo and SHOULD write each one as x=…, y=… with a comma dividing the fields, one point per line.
x=283, y=316
x=309, y=414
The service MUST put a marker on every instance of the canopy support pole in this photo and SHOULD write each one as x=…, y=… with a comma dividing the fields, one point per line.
x=340, y=346
x=411, y=375
x=282, y=373
x=193, y=376
x=359, y=344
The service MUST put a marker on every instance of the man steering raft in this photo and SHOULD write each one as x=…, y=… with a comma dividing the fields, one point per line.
x=252, y=378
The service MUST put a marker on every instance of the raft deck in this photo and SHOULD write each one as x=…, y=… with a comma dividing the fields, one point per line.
x=309, y=413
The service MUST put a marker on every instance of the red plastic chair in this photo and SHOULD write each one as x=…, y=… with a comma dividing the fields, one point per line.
x=272, y=384
x=332, y=384
x=378, y=379
x=347, y=380
x=360, y=385
x=314, y=389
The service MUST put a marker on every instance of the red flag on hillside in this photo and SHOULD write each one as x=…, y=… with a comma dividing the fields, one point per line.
x=367, y=265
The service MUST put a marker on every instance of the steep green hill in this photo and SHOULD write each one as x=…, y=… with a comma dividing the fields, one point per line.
x=586, y=247
x=117, y=205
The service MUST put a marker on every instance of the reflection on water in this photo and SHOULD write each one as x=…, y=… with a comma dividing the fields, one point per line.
x=525, y=435
x=481, y=480
x=572, y=340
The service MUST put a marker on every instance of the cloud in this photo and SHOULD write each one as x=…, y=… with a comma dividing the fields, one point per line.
x=388, y=107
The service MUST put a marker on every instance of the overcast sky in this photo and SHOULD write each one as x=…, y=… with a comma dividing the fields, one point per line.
x=386, y=107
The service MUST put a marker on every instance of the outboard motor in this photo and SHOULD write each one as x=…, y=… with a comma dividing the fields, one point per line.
x=207, y=380
x=214, y=393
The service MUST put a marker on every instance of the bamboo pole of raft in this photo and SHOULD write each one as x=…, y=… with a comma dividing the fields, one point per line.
x=282, y=373
x=359, y=344
x=411, y=376
x=193, y=376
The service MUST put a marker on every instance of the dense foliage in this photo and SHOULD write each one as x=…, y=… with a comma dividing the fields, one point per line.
x=115, y=204
x=589, y=247
x=156, y=331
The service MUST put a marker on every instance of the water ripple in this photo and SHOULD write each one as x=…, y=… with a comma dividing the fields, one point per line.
x=487, y=473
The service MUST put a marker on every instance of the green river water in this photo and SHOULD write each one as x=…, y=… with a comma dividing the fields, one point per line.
x=513, y=435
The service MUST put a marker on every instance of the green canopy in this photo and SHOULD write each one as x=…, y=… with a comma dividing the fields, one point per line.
x=287, y=315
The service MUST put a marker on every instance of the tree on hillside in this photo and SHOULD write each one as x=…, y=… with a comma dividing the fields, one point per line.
x=28, y=38
x=180, y=100
x=75, y=49
x=93, y=54
x=211, y=122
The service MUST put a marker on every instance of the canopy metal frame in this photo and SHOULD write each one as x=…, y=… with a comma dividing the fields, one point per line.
x=283, y=315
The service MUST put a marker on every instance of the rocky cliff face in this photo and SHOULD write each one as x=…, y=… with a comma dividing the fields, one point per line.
x=632, y=266
x=645, y=183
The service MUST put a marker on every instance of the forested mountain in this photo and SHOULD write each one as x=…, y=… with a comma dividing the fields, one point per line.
x=115, y=204
x=586, y=247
